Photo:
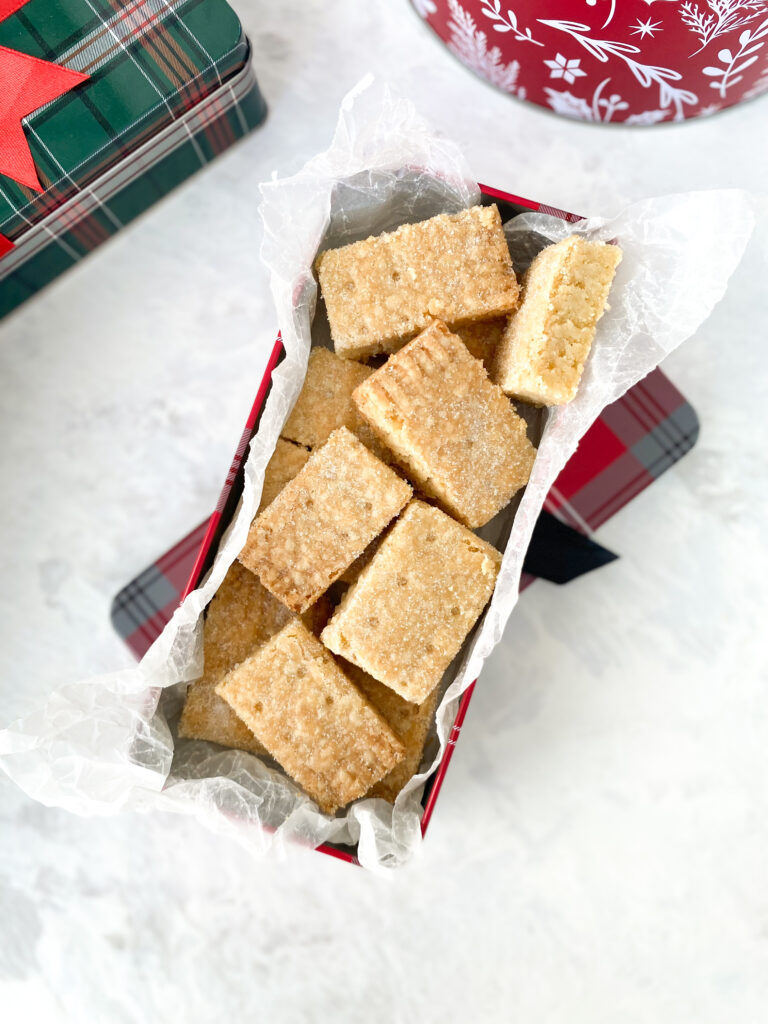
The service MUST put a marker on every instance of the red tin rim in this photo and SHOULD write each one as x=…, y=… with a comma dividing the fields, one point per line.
x=507, y=197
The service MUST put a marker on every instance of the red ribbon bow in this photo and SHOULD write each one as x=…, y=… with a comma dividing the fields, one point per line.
x=26, y=83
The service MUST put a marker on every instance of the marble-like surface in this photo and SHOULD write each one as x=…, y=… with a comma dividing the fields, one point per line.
x=599, y=853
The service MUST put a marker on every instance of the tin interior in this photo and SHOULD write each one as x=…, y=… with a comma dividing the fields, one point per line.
x=496, y=532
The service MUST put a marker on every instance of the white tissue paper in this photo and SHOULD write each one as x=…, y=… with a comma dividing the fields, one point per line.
x=105, y=744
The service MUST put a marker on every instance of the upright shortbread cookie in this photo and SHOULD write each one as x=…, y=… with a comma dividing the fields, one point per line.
x=541, y=357
x=382, y=291
x=454, y=431
x=482, y=338
x=242, y=615
x=323, y=520
x=325, y=402
x=287, y=460
x=310, y=717
x=207, y=717
x=412, y=607
x=409, y=722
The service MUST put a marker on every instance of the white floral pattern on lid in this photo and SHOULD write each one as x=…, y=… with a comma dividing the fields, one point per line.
x=717, y=17
x=656, y=63
x=567, y=69
x=471, y=46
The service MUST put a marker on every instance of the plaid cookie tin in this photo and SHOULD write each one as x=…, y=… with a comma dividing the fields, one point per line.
x=170, y=87
x=630, y=445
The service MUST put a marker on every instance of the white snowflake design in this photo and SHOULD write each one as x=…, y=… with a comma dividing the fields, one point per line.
x=425, y=7
x=471, y=47
x=735, y=63
x=566, y=69
x=719, y=17
x=646, y=28
x=646, y=74
x=507, y=22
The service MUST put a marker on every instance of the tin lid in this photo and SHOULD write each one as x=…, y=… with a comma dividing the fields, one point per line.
x=148, y=62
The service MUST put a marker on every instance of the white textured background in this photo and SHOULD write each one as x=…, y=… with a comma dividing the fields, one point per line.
x=600, y=851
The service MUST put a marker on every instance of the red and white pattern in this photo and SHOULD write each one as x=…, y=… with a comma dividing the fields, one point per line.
x=640, y=62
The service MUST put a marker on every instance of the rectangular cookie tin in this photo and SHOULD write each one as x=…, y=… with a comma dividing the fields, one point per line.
x=631, y=444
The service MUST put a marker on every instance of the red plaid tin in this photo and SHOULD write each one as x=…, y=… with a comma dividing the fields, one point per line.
x=629, y=446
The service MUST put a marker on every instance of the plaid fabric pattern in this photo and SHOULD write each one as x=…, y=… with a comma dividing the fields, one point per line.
x=122, y=192
x=149, y=62
x=143, y=607
x=634, y=441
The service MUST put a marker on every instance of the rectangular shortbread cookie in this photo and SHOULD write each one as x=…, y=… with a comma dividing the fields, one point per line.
x=285, y=463
x=207, y=717
x=409, y=722
x=482, y=338
x=242, y=615
x=323, y=520
x=541, y=356
x=382, y=291
x=325, y=402
x=411, y=608
x=454, y=431
x=315, y=723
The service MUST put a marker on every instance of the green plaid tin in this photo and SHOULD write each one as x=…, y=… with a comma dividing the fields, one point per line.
x=170, y=87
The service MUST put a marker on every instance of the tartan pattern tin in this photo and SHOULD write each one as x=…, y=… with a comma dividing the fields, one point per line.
x=633, y=442
x=170, y=88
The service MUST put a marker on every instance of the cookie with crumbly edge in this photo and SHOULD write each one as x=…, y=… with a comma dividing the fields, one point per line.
x=411, y=608
x=325, y=404
x=287, y=461
x=323, y=520
x=542, y=353
x=316, y=724
x=409, y=722
x=242, y=615
x=482, y=338
x=207, y=717
x=325, y=401
x=382, y=291
x=454, y=431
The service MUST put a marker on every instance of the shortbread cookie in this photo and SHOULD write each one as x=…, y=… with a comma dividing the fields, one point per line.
x=411, y=608
x=456, y=433
x=323, y=520
x=541, y=356
x=316, y=724
x=382, y=291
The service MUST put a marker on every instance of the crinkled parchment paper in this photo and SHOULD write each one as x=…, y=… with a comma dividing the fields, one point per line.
x=105, y=744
